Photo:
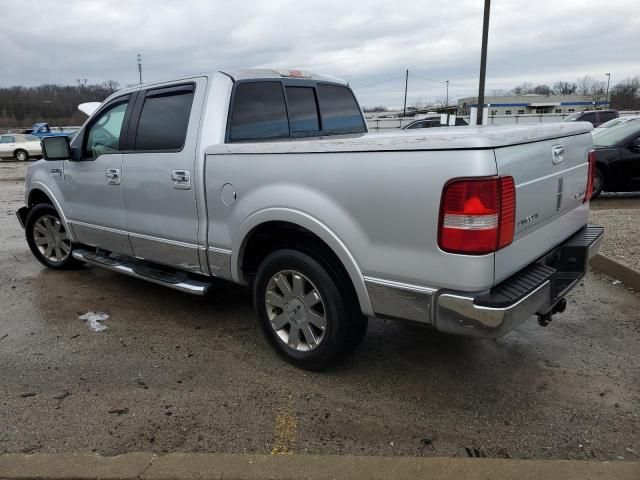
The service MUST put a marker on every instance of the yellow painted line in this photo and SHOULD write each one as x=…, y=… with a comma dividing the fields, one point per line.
x=285, y=434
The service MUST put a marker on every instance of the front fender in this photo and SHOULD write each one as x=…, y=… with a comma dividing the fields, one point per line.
x=53, y=190
x=315, y=226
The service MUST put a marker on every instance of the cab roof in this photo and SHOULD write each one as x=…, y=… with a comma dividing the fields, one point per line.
x=277, y=74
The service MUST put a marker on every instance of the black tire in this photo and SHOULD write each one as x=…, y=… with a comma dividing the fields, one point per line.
x=345, y=324
x=598, y=183
x=21, y=155
x=45, y=213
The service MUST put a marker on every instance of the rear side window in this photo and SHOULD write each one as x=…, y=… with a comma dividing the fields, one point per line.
x=339, y=110
x=588, y=117
x=259, y=112
x=606, y=116
x=303, y=110
x=164, y=119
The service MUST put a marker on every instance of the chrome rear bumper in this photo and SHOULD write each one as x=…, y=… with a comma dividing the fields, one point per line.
x=534, y=290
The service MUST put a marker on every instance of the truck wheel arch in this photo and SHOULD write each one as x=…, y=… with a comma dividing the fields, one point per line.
x=283, y=220
x=39, y=193
x=37, y=196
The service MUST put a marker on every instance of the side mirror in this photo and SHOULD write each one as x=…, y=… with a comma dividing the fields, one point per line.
x=56, y=148
x=635, y=145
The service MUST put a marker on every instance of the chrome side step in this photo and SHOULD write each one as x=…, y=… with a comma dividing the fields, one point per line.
x=144, y=271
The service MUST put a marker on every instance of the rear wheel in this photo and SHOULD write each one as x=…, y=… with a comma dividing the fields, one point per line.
x=307, y=309
x=21, y=155
x=598, y=183
x=48, y=239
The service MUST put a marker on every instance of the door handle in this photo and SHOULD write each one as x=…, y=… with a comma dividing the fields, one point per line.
x=181, y=179
x=113, y=176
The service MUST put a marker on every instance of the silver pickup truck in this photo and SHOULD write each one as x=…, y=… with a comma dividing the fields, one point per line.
x=269, y=179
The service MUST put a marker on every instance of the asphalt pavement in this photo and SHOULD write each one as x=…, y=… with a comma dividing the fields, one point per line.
x=176, y=373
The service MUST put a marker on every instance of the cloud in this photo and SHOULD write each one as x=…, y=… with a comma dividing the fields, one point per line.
x=364, y=42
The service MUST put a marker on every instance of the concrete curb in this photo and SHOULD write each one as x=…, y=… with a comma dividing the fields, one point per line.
x=627, y=275
x=214, y=466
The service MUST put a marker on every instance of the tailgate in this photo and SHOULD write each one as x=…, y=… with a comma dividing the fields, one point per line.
x=550, y=178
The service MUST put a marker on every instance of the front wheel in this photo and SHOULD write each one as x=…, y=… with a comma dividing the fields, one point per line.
x=307, y=309
x=48, y=239
x=21, y=155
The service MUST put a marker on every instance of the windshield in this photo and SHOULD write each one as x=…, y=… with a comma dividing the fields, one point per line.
x=611, y=136
x=572, y=118
x=612, y=123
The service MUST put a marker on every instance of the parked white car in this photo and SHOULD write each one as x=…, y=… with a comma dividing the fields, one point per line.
x=19, y=146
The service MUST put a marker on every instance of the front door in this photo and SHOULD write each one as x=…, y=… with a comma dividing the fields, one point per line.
x=93, y=180
x=159, y=174
x=629, y=165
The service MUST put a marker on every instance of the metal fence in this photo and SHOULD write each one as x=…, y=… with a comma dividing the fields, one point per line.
x=378, y=124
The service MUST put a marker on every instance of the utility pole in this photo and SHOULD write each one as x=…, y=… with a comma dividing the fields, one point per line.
x=140, y=68
x=446, y=102
x=406, y=84
x=483, y=60
x=608, y=104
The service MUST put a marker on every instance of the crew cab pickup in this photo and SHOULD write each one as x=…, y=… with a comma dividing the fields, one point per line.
x=269, y=179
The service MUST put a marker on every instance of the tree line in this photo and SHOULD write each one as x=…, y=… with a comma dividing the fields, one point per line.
x=625, y=95
x=55, y=104
x=21, y=107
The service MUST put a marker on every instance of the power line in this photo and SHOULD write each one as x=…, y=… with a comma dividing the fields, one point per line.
x=379, y=83
x=440, y=81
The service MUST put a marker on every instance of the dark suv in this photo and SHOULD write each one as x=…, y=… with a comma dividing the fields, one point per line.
x=596, y=117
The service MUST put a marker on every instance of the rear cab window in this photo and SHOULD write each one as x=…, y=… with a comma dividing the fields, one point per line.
x=339, y=110
x=280, y=109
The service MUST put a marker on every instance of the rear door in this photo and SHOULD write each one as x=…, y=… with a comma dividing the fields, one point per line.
x=159, y=174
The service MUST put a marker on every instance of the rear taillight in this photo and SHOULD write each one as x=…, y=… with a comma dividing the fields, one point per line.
x=477, y=216
x=590, y=175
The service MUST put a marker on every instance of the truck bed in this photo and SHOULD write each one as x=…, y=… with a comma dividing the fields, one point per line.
x=444, y=138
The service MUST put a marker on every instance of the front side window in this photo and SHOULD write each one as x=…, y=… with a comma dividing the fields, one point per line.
x=339, y=110
x=259, y=112
x=303, y=110
x=104, y=133
x=164, y=119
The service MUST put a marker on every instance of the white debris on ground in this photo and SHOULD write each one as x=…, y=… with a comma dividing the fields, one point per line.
x=93, y=320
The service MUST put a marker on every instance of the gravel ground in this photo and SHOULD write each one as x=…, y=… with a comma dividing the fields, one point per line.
x=620, y=215
x=175, y=373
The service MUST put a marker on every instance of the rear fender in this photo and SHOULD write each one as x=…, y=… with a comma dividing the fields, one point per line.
x=313, y=225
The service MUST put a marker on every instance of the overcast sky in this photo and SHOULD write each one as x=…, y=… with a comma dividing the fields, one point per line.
x=365, y=42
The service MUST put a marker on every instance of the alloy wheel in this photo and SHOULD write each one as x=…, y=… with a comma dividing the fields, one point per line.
x=296, y=310
x=51, y=238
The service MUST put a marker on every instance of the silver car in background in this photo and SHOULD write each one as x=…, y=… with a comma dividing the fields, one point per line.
x=19, y=146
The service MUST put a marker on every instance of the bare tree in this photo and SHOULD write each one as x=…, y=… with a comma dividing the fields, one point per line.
x=565, y=88
x=523, y=88
x=111, y=86
x=542, y=90
x=626, y=94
